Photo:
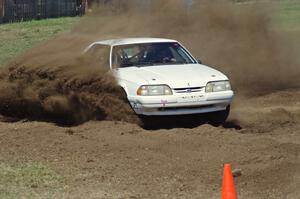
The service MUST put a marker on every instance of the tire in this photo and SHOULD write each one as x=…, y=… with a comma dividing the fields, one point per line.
x=218, y=118
x=149, y=122
x=123, y=95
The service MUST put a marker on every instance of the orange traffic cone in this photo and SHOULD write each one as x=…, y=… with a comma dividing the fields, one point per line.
x=228, y=189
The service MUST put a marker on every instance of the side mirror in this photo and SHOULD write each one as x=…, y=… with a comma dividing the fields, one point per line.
x=199, y=61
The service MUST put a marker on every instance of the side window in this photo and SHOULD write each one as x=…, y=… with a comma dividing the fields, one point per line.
x=98, y=55
x=123, y=55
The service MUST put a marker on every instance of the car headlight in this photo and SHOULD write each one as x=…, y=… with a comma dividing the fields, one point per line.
x=217, y=86
x=154, y=90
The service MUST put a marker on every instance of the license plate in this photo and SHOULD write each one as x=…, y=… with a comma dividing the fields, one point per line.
x=191, y=98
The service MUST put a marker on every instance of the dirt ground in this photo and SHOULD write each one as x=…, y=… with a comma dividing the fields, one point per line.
x=121, y=160
x=115, y=159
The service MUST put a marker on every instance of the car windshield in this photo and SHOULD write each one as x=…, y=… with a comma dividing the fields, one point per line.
x=149, y=54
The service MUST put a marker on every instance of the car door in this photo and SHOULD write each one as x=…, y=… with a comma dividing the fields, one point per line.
x=98, y=55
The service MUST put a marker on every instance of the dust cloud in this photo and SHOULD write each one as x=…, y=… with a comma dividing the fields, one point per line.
x=55, y=81
x=243, y=40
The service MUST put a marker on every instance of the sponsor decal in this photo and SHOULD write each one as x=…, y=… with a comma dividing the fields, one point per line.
x=135, y=105
x=164, y=102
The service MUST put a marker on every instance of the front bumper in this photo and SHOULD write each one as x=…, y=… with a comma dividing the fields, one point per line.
x=181, y=104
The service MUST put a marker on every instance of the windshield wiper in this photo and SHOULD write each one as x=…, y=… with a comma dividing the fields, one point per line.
x=125, y=65
x=141, y=64
x=171, y=63
x=144, y=64
x=179, y=62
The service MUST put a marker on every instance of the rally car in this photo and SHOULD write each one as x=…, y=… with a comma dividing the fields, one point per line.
x=160, y=78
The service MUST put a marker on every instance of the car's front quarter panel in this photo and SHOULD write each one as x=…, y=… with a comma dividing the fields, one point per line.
x=130, y=82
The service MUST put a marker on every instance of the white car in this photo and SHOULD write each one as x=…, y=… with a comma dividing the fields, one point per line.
x=160, y=77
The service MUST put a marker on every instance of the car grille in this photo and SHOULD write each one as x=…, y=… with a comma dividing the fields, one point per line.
x=188, y=90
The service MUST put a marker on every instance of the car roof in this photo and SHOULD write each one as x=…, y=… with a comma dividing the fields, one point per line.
x=137, y=40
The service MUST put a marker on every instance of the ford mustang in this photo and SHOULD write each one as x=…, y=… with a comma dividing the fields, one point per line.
x=160, y=77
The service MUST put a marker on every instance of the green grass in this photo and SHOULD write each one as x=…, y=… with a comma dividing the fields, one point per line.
x=16, y=38
x=29, y=180
x=289, y=14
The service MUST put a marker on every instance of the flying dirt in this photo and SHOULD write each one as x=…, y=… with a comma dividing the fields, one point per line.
x=119, y=159
x=54, y=80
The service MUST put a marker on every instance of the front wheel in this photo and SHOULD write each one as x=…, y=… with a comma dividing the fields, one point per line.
x=218, y=118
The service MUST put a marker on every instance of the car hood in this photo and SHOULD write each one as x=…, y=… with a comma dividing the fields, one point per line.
x=176, y=76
